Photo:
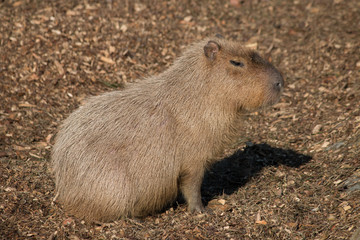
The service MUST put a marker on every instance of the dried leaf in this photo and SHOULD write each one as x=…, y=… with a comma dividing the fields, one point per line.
x=107, y=60
x=235, y=3
x=20, y=148
x=10, y=189
x=262, y=222
x=48, y=138
x=40, y=145
x=18, y=3
x=222, y=201
x=316, y=129
x=59, y=67
x=27, y=105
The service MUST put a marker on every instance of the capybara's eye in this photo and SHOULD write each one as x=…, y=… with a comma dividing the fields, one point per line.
x=236, y=63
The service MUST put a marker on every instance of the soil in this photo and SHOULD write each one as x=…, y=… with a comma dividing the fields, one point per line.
x=295, y=172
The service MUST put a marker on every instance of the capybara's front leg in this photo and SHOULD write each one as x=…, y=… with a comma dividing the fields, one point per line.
x=190, y=185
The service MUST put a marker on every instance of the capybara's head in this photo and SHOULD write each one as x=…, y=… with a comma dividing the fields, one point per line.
x=249, y=81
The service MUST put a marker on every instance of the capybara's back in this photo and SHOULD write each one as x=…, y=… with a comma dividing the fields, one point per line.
x=129, y=152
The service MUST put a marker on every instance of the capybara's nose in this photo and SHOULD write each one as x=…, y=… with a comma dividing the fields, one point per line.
x=279, y=82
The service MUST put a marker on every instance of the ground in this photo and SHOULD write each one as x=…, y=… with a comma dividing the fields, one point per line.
x=295, y=173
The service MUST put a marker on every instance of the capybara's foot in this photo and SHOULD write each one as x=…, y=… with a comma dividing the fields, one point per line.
x=196, y=208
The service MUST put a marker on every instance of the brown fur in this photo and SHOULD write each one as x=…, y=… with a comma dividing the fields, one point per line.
x=129, y=152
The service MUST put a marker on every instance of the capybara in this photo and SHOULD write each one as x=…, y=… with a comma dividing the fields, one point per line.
x=130, y=152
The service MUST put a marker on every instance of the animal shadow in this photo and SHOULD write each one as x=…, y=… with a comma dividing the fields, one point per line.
x=228, y=175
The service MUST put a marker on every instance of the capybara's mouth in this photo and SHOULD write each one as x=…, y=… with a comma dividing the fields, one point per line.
x=273, y=98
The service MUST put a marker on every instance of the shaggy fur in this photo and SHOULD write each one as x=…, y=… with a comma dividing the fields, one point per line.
x=129, y=152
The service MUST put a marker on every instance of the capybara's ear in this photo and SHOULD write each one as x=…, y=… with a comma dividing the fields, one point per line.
x=211, y=49
x=218, y=35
